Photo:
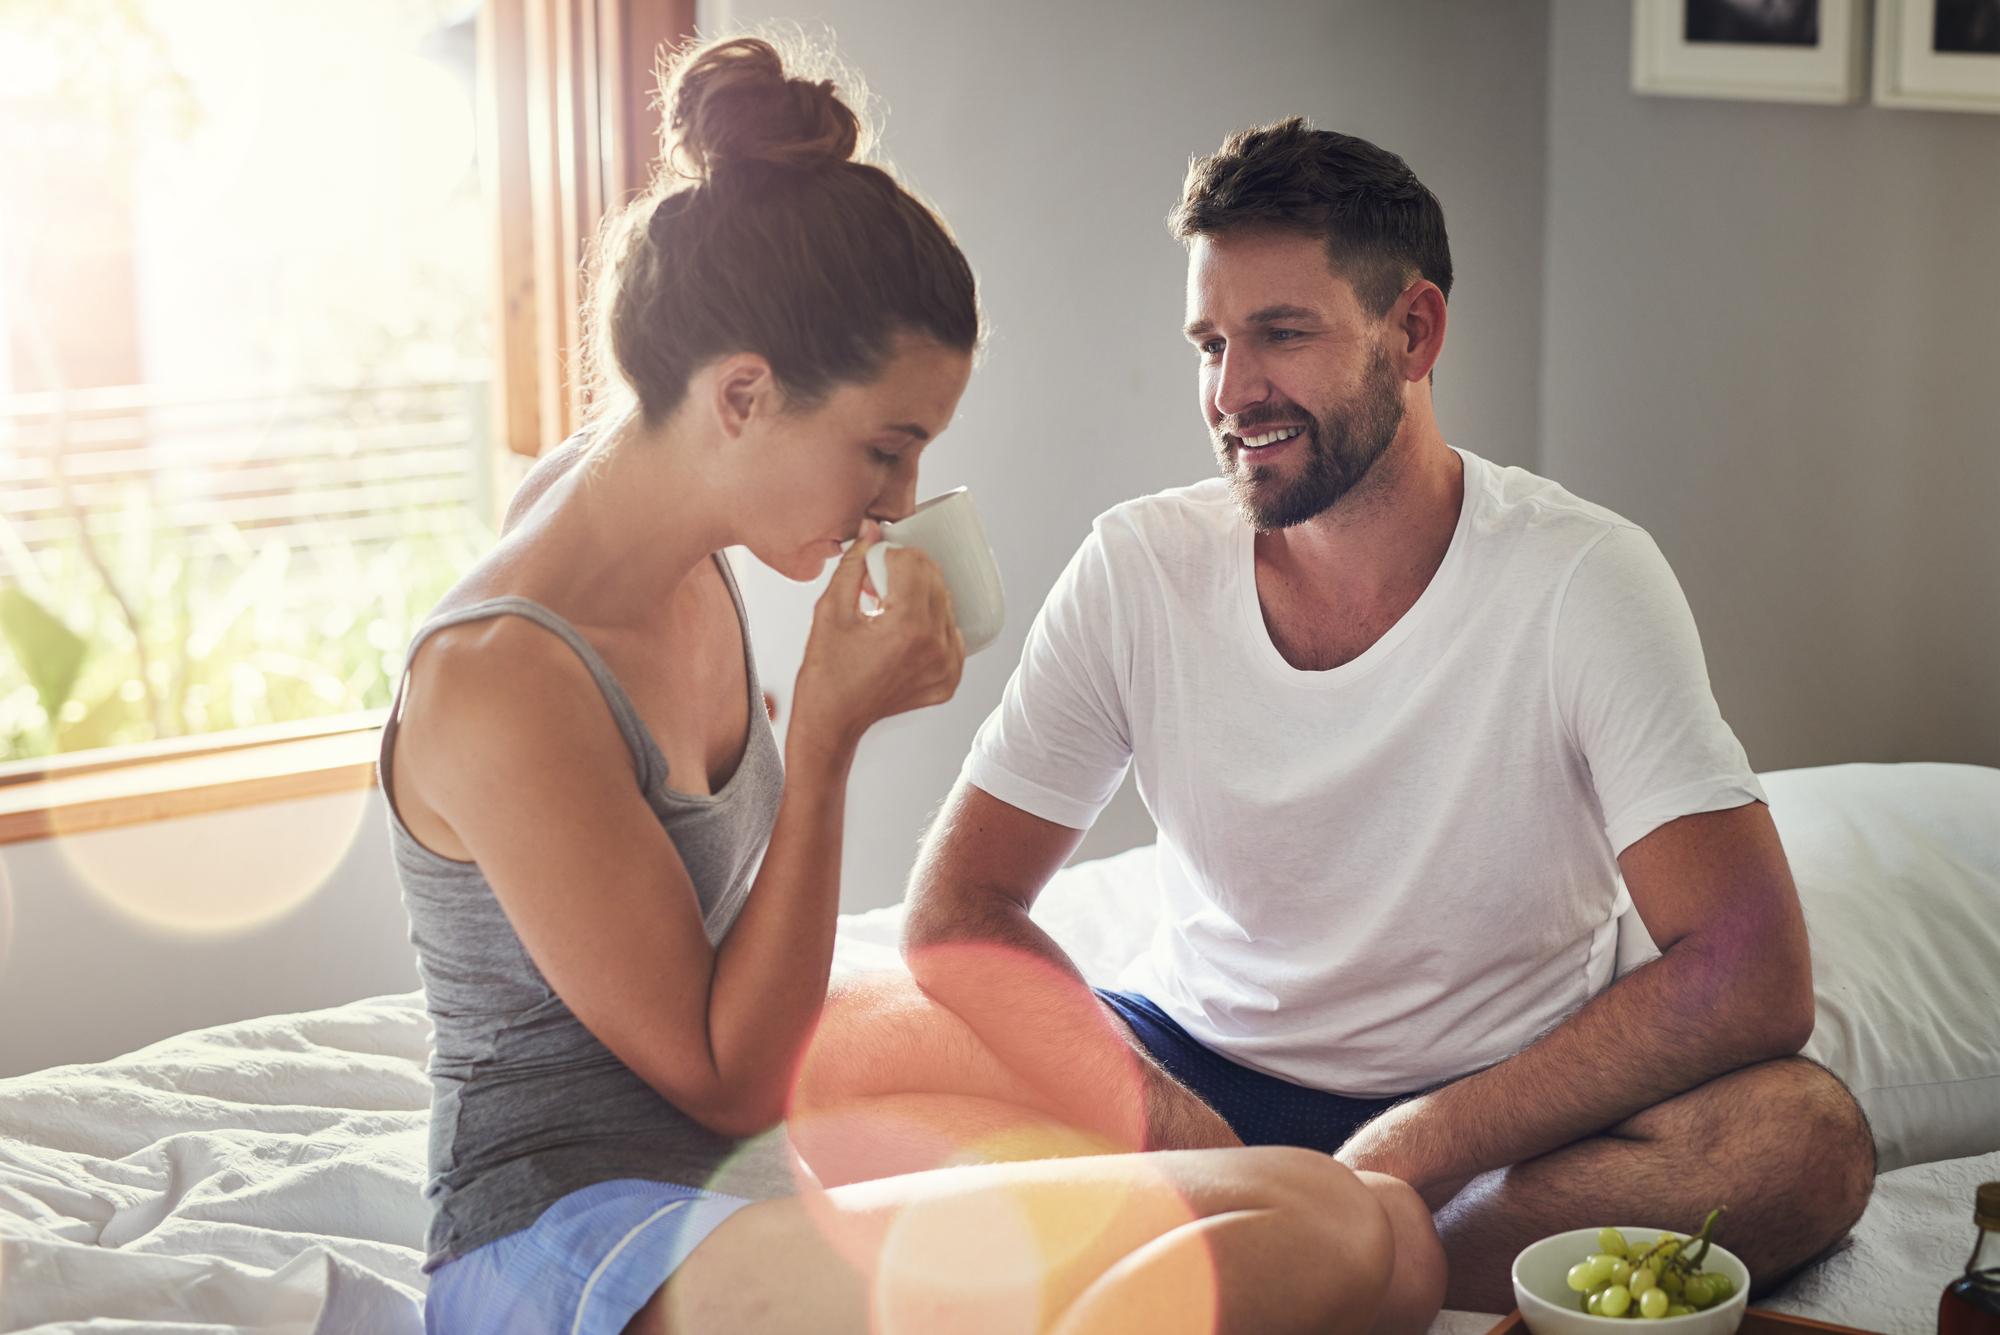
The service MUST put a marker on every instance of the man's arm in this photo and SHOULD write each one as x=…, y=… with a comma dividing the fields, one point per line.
x=1732, y=986
x=972, y=947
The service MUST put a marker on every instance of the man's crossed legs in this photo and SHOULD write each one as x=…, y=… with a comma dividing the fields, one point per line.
x=897, y=1083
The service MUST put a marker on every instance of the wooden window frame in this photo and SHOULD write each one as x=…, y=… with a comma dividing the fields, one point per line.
x=569, y=129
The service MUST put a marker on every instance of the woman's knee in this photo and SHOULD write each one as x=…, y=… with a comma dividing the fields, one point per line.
x=1342, y=1218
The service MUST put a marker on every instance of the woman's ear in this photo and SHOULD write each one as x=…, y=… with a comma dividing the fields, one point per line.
x=741, y=389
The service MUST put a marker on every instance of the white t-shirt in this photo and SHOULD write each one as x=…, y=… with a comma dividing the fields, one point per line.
x=1401, y=870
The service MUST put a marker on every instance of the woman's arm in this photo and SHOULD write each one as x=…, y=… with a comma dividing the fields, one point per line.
x=508, y=741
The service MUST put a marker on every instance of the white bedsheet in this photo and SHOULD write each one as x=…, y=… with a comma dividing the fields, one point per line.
x=264, y=1176
x=260, y=1176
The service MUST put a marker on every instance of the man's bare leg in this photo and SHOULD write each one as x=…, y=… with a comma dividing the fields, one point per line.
x=1781, y=1143
x=895, y=1083
x=1199, y=1242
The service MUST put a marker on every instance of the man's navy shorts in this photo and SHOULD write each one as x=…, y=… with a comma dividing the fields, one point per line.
x=1261, y=1109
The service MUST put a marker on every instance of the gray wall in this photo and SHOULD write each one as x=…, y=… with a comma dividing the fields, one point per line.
x=83, y=977
x=1772, y=338
x=1053, y=137
x=1766, y=332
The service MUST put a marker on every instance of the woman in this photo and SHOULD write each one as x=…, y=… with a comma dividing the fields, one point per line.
x=583, y=783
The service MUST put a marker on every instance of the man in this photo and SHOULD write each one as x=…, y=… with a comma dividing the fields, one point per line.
x=1404, y=718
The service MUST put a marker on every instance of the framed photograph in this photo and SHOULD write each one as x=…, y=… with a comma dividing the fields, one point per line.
x=1763, y=50
x=1940, y=55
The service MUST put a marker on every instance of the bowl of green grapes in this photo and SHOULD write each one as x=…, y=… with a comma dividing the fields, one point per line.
x=1583, y=1281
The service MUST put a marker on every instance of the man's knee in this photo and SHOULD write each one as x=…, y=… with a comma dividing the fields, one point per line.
x=1787, y=1127
x=1830, y=1133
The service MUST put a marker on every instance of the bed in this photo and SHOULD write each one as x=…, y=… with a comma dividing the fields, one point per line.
x=264, y=1175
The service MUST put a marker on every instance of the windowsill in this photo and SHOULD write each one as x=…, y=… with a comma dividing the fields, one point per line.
x=186, y=776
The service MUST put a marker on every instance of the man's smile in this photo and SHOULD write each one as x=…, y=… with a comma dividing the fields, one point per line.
x=1265, y=442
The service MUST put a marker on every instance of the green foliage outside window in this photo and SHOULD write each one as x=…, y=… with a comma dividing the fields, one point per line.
x=237, y=634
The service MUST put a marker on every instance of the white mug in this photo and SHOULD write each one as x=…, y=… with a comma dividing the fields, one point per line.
x=948, y=528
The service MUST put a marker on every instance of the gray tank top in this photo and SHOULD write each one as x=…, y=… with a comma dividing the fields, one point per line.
x=526, y=1104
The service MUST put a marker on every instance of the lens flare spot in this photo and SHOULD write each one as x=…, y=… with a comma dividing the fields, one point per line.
x=1099, y=1244
x=970, y=1198
x=962, y=1261
x=894, y=1081
x=219, y=873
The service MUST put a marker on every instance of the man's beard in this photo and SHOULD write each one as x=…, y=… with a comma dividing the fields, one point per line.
x=1340, y=449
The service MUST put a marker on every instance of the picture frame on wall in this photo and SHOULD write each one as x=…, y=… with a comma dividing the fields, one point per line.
x=1761, y=50
x=1938, y=55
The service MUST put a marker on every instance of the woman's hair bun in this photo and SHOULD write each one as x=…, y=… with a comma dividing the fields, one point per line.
x=733, y=102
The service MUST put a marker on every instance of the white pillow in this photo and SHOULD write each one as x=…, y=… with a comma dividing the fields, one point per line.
x=1104, y=912
x=1898, y=867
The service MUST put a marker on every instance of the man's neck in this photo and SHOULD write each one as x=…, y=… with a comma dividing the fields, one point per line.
x=1332, y=586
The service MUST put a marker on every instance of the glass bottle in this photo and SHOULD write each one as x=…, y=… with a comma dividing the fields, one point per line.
x=1971, y=1303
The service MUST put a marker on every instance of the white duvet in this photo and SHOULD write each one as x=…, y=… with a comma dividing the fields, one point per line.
x=259, y=1176
x=264, y=1176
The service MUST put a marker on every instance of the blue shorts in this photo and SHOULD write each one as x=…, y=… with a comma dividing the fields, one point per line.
x=585, y=1267
x=1261, y=1109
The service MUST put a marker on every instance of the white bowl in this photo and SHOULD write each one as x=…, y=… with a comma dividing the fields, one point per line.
x=1551, y=1307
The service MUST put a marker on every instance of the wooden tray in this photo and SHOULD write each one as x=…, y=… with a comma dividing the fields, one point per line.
x=1756, y=1321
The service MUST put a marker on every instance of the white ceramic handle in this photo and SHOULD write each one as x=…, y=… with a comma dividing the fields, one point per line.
x=877, y=562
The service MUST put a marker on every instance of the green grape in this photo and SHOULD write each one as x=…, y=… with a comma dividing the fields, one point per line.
x=1653, y=1280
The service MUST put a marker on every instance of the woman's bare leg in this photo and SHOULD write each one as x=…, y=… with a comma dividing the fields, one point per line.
x=1416, y=1285
x=1197, y=1242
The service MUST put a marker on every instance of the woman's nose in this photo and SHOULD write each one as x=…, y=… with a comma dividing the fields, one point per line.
x=898, y=498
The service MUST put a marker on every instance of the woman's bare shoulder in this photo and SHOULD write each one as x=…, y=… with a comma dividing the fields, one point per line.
x=503, y=672
x=547, y=470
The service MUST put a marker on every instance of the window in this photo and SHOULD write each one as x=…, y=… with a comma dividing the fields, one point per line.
x=290, y=296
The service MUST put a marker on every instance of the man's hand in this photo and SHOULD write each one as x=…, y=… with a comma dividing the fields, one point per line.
x=1733, y=987
x=1402, y=1143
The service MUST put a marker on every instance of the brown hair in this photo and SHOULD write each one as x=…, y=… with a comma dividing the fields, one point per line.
x=1381, y=227
x=760, y=233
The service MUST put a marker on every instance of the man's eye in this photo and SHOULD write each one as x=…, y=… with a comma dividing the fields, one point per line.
x=1210, y=348
x=1283, y=335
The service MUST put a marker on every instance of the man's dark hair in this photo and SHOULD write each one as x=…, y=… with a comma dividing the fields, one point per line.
x=1381, y=227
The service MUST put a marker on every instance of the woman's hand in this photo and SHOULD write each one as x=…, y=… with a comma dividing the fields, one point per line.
x=860, y=668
